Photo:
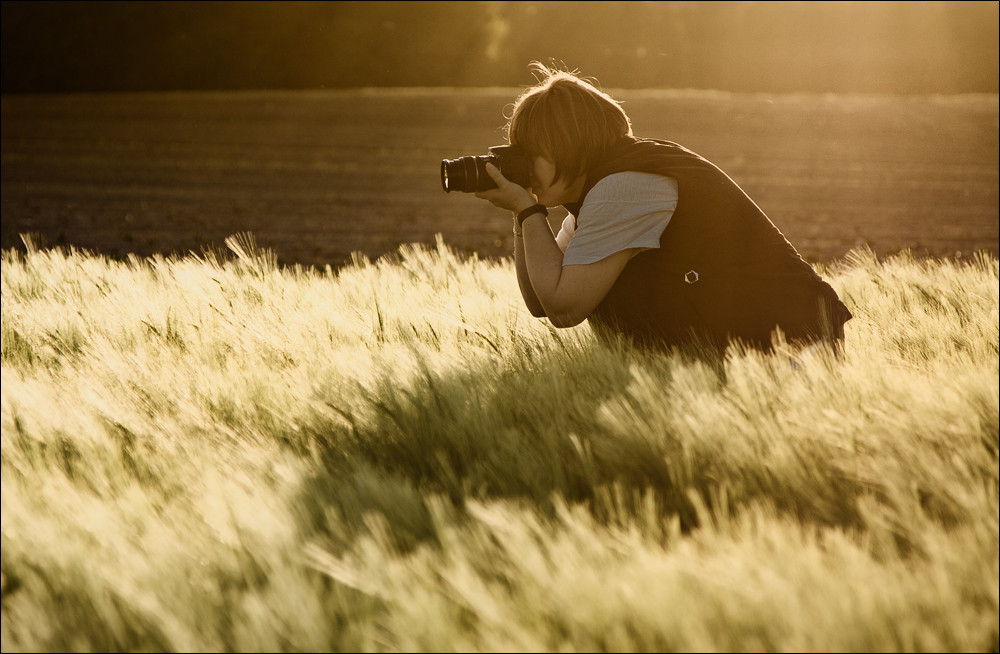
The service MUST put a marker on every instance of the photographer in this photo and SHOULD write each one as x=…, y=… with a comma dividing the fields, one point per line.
x=660, y=246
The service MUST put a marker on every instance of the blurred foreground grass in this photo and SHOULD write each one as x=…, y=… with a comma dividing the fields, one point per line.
x=216, y=453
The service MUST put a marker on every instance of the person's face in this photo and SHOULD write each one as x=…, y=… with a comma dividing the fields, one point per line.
x=548, y=191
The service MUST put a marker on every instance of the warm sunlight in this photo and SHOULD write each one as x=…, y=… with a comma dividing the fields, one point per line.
x=828, y=46
x=500, y=326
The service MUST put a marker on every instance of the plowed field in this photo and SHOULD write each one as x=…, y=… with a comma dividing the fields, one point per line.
x=317, y=175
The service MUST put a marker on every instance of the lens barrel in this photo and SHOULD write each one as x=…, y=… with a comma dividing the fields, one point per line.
x=468, y=174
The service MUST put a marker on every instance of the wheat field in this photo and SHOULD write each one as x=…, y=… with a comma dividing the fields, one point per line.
x=217, y=453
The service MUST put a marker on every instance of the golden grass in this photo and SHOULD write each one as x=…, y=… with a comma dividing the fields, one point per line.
x=216, y=453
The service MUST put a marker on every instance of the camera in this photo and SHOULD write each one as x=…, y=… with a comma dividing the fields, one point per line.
x=468, y=174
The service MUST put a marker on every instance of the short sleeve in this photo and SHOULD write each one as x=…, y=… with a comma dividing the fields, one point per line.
x=566, y=230
x=623, y=211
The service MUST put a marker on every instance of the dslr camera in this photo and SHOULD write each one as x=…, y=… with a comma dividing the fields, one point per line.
x=468, y=174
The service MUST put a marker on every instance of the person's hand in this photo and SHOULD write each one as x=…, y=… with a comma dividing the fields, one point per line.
x=507, y=195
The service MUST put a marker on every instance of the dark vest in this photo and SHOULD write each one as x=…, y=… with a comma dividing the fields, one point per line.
x=723, y=271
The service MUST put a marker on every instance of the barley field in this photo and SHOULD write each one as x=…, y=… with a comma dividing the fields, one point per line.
x=216, y=452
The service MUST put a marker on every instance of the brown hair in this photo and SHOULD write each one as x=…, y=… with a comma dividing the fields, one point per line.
x=568, y=120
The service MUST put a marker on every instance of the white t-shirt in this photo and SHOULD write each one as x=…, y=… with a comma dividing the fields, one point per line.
x=623, y=211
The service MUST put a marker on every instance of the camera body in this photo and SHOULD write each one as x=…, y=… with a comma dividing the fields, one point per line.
x=468, y=174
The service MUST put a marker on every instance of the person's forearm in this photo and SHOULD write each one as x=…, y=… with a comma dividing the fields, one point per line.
x=541, y=260
x=524, y=281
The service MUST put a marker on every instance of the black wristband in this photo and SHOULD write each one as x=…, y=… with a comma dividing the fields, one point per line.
x=530, y=211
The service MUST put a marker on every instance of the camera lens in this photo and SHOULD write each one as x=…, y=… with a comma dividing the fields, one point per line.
x=466, y=174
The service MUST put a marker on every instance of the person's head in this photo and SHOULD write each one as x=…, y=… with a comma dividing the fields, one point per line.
x=567, y=121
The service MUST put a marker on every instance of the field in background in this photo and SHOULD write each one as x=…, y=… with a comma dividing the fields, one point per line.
x=317, y=175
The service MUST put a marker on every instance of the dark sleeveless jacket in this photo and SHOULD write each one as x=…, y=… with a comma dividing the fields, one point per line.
x=723, y=271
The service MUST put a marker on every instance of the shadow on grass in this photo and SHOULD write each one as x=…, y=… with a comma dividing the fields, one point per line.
x=531, y=432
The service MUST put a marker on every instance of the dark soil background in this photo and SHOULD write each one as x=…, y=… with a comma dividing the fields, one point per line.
x=315, y=176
